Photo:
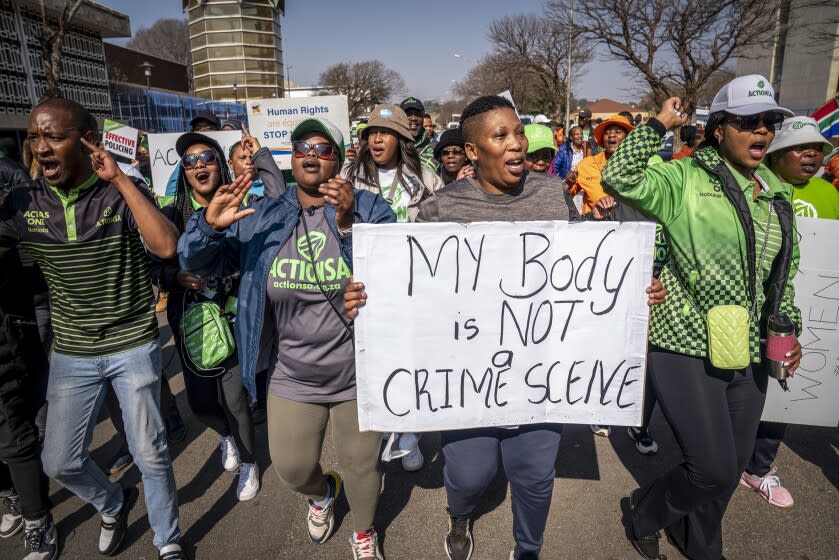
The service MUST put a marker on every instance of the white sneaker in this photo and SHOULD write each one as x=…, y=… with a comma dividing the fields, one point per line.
x=248, y=486
x=12, y=521
x=229, y=454
x=414, y=460
x=603, y=431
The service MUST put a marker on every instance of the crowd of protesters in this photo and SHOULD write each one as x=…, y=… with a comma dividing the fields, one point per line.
x=83, y=240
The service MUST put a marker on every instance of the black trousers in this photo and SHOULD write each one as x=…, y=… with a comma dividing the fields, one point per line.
x=768, y=441
x=222, y=405
x=714, y=415
x=23, y=370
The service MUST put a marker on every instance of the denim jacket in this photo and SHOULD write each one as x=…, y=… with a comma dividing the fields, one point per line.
x=250, y=245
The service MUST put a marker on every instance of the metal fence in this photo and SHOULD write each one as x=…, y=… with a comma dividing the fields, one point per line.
x=163, y=111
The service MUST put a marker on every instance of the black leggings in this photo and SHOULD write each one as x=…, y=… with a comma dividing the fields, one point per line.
x=714, y=415
x=222, y=405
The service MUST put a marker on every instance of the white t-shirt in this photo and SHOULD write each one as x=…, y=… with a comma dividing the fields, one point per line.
x=394, y=195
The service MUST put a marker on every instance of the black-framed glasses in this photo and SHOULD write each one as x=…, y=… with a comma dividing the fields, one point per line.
x=323, y=150
x=452, y=152
x=207, y=156
x=772, y=120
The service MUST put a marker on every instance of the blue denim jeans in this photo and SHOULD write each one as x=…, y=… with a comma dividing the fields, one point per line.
x=75, y=394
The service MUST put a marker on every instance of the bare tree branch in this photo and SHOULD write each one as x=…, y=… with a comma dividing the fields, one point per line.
x=364, y=83
x=534, y=51
x=51, y=41
x=677, y=46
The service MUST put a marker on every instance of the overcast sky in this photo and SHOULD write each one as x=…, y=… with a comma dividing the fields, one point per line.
x=417, y=39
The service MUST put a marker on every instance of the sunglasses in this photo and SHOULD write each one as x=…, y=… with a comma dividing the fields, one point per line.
x=771, y=120
x=189, y=160
x=452, y=152
x=323, y=150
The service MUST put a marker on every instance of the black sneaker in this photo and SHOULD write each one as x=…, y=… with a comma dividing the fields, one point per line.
x=112, y=533
x=40, y=539
x=459, y=543
x=644, y=442
x=12, y=521
x=647, y=546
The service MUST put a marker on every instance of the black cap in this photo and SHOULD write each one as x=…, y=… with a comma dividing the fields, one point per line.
x=187, y=139
x=412, y=103
x=236, y=124
x=585, y=113
x=205, y=116
x=450, y=137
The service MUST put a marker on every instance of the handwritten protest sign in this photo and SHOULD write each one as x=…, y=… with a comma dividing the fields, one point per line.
x=119, y=139
x=164, y=158
x=813, y=397
x=272, y=120
x=498, y=324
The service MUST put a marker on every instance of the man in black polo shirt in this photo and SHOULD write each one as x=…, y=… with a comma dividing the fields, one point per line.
x=81, y=222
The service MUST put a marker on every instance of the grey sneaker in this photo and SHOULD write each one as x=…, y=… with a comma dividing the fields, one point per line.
x=321, y=519
x=12, y=521
x=365, y=545
x=40, y=539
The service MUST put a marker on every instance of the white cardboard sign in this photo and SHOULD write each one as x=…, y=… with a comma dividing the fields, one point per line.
x=272, y=120
x=119, y=139
x=164, y=157
x=813, y=397
x=500, y=324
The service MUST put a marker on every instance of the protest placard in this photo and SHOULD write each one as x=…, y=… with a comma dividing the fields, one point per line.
x=272, y=120
x=499, y=324
x=119, y=139
x=164, y=158
x=813, y=397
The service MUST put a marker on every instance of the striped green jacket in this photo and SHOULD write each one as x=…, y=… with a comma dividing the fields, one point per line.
x=87, y=244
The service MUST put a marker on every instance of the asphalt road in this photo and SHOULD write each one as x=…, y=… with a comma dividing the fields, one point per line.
x=593, y=474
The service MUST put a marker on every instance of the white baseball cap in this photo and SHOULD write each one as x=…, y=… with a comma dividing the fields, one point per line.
x=798, y=131
x=747, y=95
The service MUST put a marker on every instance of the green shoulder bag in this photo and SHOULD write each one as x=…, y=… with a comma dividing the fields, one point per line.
x=206, y=337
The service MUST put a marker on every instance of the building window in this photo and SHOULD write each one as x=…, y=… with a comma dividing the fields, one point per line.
x=224, y=37
x=257, y=24
x=224, y=66
x=223, y=24
x=231, y=9
x=259, y=52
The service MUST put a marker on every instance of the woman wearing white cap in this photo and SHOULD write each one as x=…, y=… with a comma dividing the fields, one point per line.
x=730, y=226
x=295, y=254
x=795, y=156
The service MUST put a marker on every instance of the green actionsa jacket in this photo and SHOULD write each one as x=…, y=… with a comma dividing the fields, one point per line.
x=707, y=217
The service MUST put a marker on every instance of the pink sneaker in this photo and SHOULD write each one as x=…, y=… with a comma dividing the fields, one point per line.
x=769, y=487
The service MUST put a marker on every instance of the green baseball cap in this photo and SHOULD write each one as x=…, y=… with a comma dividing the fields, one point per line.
x=539, y=137
x=321, y=126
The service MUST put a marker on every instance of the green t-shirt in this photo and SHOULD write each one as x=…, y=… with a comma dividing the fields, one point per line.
x=816, y=199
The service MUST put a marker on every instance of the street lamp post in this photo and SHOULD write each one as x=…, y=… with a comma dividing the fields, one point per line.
x=147, y=66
